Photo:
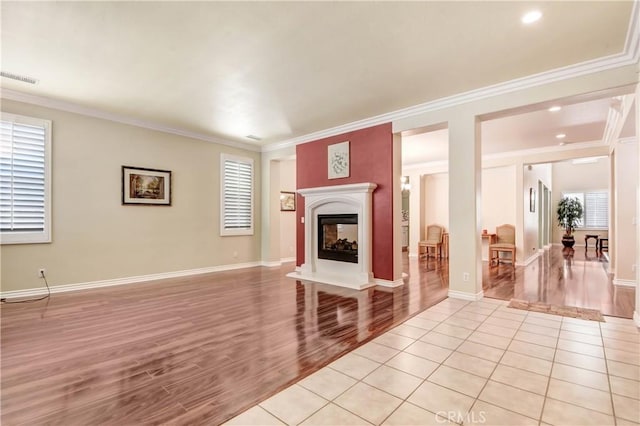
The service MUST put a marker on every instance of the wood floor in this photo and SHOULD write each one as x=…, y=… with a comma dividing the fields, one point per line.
x=578, y=278
x=202, y=349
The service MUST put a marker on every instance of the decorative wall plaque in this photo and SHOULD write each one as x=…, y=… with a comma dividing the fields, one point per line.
x=338, y=160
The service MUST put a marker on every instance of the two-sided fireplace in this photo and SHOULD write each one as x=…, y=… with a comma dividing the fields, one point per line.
x=338, y=237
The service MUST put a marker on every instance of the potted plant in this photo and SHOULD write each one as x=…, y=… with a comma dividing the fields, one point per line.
x=569, y=216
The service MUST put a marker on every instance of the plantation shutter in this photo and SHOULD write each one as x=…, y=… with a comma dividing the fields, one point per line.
x=22, y=177
x=238, y=187
x=596, y=209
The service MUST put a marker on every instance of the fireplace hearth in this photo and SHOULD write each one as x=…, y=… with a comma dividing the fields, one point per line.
x=338, y=238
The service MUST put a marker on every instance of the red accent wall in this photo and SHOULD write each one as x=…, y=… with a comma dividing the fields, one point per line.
x=371, y=159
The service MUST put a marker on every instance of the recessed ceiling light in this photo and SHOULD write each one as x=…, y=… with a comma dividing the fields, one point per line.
x=561, y=136
x=531, y=17
x=555, y=108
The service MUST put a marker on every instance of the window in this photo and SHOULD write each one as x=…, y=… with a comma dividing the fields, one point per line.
x=236, y=215
x=25, y=180
x=595, y=208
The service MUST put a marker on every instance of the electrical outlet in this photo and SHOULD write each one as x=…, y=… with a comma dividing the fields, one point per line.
x=42, y=272
x=465, y=276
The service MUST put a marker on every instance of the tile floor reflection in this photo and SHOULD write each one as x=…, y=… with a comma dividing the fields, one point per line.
x=473, y=363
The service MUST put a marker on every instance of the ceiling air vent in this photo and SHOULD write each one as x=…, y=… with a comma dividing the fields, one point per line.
x=255, y=138
x=22, y=78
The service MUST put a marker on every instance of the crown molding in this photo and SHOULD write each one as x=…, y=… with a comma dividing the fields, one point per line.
x=629, y=56
x=46, y=102
x=442, y=165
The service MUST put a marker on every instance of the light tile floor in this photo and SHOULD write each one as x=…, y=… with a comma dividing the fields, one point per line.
x=473, y=363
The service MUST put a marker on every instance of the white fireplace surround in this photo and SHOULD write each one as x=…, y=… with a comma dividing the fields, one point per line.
x=340, y=199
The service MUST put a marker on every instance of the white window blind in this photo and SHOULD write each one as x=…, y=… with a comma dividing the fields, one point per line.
x=595, y=208
x=237, y=195
x=24, y=179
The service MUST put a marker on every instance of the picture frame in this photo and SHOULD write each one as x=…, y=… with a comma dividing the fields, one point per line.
x=338, y=160
x=143, y=186
x=532, y=200
x=287, y=201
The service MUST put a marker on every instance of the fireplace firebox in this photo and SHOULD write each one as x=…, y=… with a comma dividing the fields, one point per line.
x=338, y=237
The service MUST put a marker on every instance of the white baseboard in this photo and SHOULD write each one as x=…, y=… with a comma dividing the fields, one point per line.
x=454, y=294
x=529, y=260
x=388, y=283
x=127, y=280
x=625, y=283
x=271, y=264
x=287, y=259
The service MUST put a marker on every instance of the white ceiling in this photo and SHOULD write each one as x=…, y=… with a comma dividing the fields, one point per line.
x=580, y=122
x=280, y=70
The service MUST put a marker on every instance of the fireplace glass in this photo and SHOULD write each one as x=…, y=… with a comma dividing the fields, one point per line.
x=338, y=237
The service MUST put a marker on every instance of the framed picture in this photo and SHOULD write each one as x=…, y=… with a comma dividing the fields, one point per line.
x=146, y=186
x=532, y=200
x=338, y=159
x=287, y=201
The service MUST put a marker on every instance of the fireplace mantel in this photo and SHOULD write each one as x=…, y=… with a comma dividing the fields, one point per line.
x=340, y=199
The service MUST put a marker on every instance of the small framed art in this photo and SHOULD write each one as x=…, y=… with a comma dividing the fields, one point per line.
x=287, y=201
x=146, y=186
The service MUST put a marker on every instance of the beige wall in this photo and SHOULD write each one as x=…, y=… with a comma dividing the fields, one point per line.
x=288, y=219
x=436, y=201
x=531, y=176
x=568, y=177
x=498, y=197
x=97, y=238
x=625, y=199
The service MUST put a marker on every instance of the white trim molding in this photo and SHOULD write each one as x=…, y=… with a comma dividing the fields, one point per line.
x=625, y=283
x=529, y=260
x=454, y=294
x=636, y=318
x=75, y=108
x=122, y=281
x=388, y=283
x=287, y=259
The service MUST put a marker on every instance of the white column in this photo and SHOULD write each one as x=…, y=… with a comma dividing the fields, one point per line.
x=636, y=314
x=465, y=170
x=397, y=209
x=416, y=201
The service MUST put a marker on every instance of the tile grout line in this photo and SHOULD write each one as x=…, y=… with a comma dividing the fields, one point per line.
x=553, y=361
x=406, y=400
x=606, y=368
x=477, y=398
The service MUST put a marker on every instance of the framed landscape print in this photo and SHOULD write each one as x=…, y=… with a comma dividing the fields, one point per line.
x=287, y=201
x=146, y=186
x=338, y=159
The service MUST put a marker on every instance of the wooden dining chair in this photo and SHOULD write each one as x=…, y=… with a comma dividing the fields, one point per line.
x=505, y=243
x=433, y=241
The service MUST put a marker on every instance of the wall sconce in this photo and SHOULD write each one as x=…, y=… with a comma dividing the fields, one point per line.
x=404, y=183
